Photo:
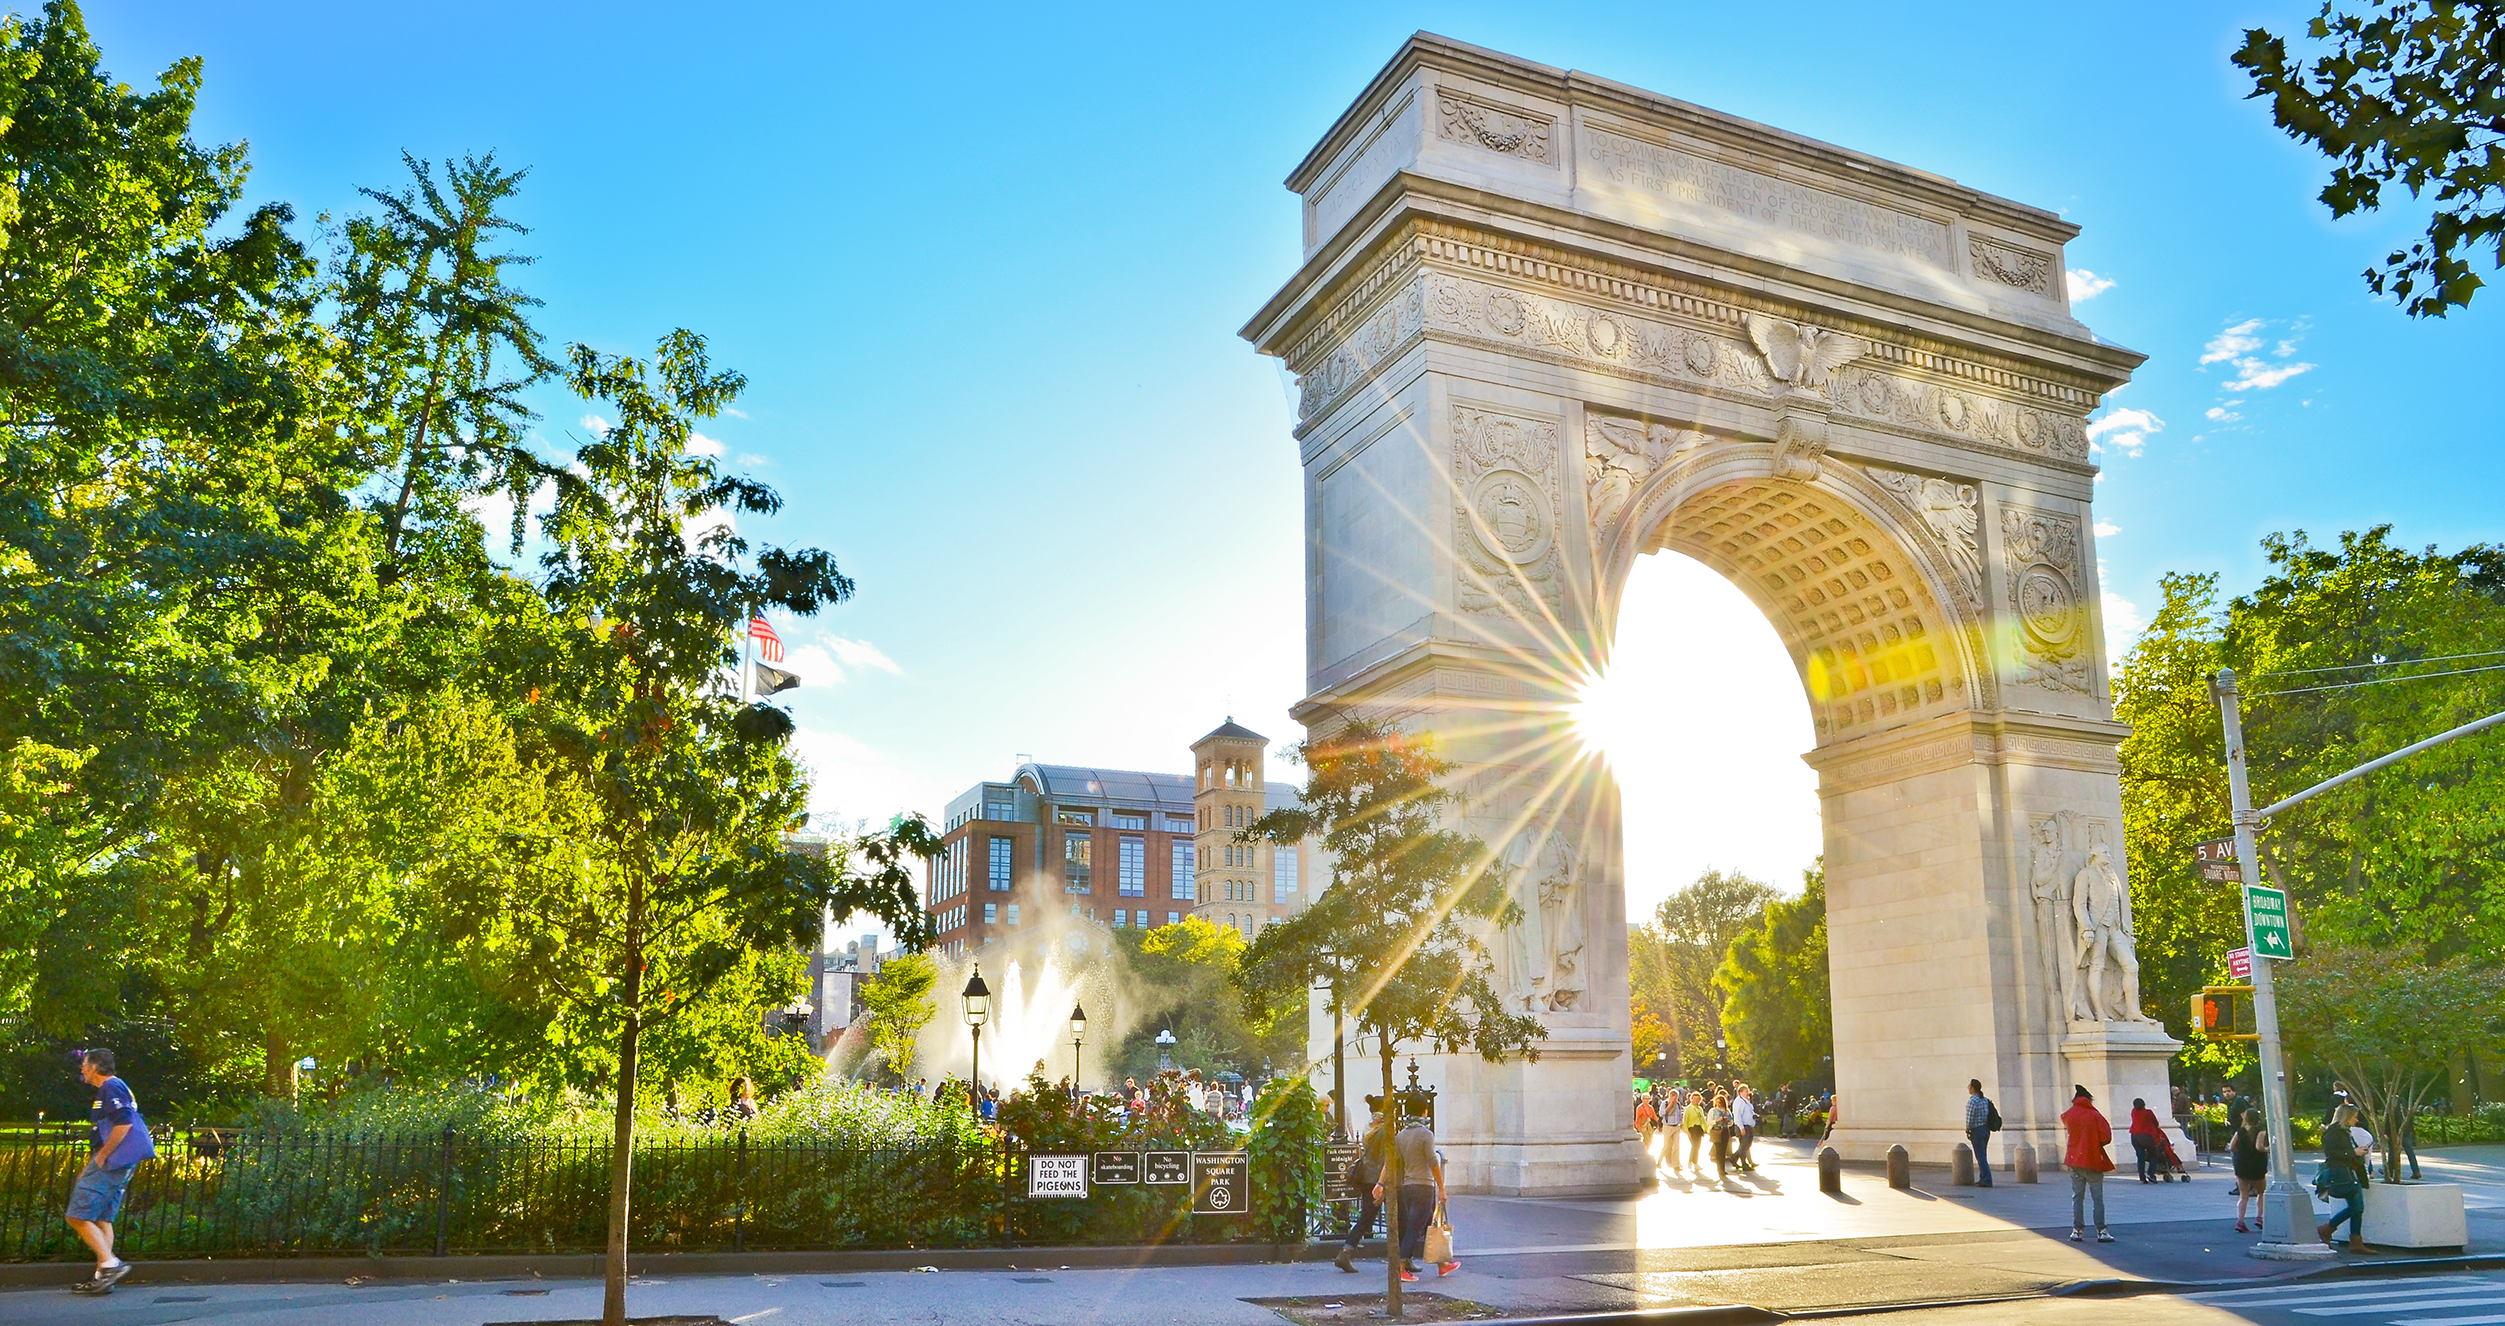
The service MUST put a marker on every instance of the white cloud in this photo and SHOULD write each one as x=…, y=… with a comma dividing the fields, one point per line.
x=2236, y=340
x=752, y=461
x=700, y=445
x=734, y=412
x=2125, y=431
x=2259, y=375
x=2122, y=626
x=595, y=423
x=826, y=659
x=851, y=781
x=2085, y=285
x=2106, y=529
x=2225, y=413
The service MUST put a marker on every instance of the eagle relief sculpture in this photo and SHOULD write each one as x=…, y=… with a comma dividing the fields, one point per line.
x=1801, y=356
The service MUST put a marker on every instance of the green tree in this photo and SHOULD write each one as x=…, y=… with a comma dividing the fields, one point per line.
x=686, y=876
x=1181, y=978
x=1672, y=959
x=1396, y=935
x=1779, y=1011
x=2405, y=93
x=2344, y=654
x=2389, y=1024
x=899, y=1005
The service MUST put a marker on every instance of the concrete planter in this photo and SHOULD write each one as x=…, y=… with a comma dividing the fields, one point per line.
x=2416, y=1215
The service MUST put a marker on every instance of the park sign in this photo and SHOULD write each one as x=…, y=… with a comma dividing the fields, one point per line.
x=1221, y=1183
x=1168, y=1167
x=2218, y=861
x=2266, y=913
x=1115, y=1167
x=1056, y=1176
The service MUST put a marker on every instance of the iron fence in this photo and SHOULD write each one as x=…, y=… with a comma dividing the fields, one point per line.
x=223, y=1192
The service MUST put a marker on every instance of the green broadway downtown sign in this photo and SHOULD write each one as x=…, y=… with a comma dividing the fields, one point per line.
x=2266, y=920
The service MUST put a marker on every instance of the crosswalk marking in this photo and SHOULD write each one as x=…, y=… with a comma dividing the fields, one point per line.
x=2313, y=1290
x=2491, y=1319
x=2408, y=1305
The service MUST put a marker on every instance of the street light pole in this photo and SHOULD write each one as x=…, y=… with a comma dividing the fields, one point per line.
x=2287, y=1211
x=1078, y=1033
x=978, y=1006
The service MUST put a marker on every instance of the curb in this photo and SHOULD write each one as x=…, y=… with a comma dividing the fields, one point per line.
x=591, y=1265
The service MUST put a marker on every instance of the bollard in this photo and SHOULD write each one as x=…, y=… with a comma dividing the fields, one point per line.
x=1830, y=1172
x=2026, y=1161
x=1961, y=1165
x=1900, y=1167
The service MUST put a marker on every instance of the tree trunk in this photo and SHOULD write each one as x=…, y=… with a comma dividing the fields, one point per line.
x=622, y=1145
x=1391, y=1188
x=278, y=1067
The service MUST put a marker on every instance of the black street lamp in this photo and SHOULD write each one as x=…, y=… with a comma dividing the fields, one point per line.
x=1078, y=1033
x=1165, y=1050
x=978, y=1008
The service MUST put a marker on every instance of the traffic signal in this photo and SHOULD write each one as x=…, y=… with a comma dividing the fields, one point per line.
x=2224, y=1013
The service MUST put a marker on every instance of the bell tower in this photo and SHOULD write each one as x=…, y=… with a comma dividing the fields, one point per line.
x=1227, y=796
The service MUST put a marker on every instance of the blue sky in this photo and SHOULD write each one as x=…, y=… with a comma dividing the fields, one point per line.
x=984, y=270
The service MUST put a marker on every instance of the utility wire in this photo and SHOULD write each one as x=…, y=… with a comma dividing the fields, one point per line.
x=2383, y=681
x=2387, y=663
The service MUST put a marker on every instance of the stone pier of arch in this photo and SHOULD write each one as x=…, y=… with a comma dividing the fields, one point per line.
x=1547, y=324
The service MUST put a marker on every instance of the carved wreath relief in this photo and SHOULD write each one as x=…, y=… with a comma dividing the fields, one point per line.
x=2024, y=268
x=1501, y=129
x=2083, y=918
x=1505, y=515
x=2041, y=551
x=1949, y=510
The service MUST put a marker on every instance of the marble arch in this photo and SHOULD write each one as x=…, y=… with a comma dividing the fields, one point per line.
x=1546, y=324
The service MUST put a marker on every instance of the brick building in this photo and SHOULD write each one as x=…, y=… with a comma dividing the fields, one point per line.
x=1119, y=847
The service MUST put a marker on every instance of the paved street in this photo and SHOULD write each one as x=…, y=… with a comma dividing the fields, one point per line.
x=1769, y=1239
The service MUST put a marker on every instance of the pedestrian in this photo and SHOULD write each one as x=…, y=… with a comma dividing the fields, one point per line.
x=1783, y=1108
x=1646, y=1117
x=1744, y=1118
x=2148, y=1140
x=1982, y=1119
x=2087, y=1162
x=1830, y=1104
x=1692, y=1122
x=743, y=1099
x=1421, y=1194
x=120, y=1141
x=1718, y=1124
x=2343, y=1179
x=2249, y=1151
x=2406, y=1138
x=1365, y=1175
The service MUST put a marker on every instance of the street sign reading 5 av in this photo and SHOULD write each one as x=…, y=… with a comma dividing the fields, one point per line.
x=2218, y=861
x=2266, y=912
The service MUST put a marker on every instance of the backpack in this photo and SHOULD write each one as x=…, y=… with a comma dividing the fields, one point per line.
x=1991, y=1116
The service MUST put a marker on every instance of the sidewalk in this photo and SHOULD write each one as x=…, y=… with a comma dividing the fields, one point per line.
x=1769, y=1239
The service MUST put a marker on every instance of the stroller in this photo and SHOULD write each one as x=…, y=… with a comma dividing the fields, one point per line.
x=2169, y=1164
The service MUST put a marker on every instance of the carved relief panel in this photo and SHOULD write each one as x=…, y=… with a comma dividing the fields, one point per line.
x=1505, y=503
x=1949, y=510
x=2045, y=578
x=1541, y=960
x=2091, y=968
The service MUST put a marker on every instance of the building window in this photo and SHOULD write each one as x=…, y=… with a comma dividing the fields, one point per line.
x=1132, y=869
x=1122, y=820
x=1179, y=823
x=1003, y=850
x=991, y=913
x=1077, y=854
x=1121, y=918
x=1184, y=872
x=998, y=810
x=1283, y=876
x=1086, y=817
x=1174, y=918
x=1013, y=913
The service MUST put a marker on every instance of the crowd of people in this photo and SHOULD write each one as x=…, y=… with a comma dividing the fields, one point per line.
x=1725, y=1118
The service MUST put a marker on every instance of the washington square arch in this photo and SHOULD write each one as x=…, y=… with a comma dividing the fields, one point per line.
x=1547, y=324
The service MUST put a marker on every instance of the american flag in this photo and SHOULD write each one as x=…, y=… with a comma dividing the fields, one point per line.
x=769, y=645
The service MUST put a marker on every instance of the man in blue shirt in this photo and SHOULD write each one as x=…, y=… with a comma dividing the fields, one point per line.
x=121, y=1142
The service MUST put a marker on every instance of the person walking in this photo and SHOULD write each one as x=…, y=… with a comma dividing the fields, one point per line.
x=1646, y=1117
x=1692, y=1122
x=1718, y=1126
x=1744, y=1118
x=2249, y=1152
x=1982, y=1116
x=2405, y=1142
x=2086, y=1160
x=2343, y=1179
x=1421, y=1194
x=743, y=1099
x=1365, y=1174
x=120, y=1141
x=2148, y=1140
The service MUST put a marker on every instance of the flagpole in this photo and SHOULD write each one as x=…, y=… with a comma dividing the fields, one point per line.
x=747, y=667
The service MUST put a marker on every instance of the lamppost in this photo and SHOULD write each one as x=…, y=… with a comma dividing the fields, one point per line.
x=1078, y=1033
x=796, y=1016
x=1165, y=1050
x=1721, y=1061
x=978, y=1007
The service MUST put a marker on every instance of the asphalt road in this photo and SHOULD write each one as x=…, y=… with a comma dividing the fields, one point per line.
x=2418, y=1300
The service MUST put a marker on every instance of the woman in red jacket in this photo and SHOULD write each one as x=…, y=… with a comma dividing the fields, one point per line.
x=2148, y=1140
x=2087, y=1162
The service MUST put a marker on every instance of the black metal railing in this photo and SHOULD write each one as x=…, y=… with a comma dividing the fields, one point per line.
x=224, y=1192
